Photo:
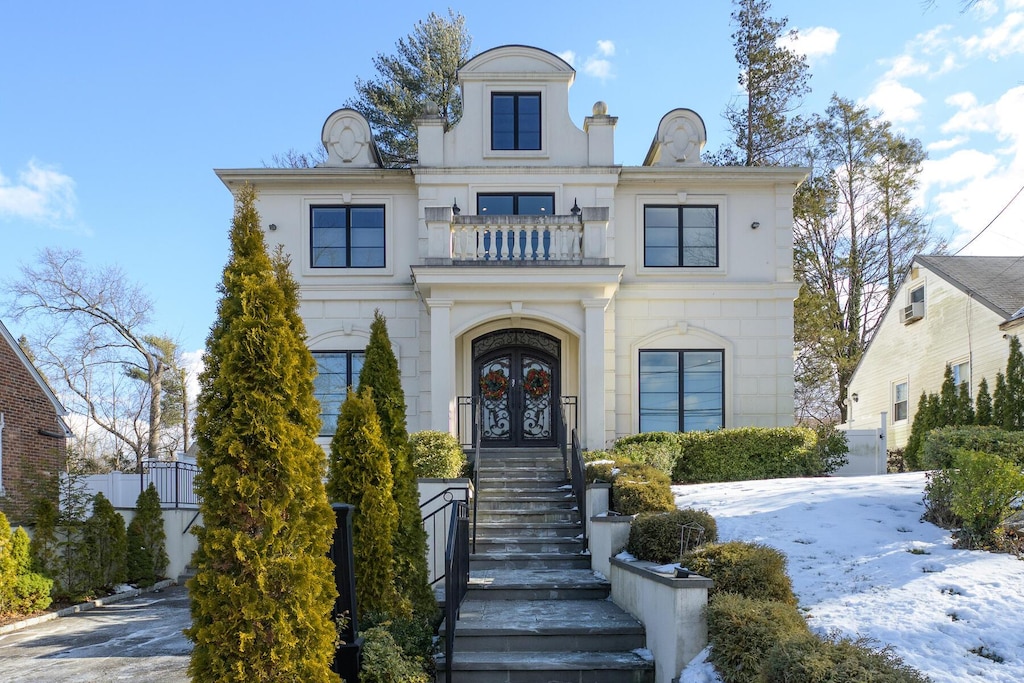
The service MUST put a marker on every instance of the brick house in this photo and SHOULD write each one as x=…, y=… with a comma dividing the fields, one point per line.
x=33, y=433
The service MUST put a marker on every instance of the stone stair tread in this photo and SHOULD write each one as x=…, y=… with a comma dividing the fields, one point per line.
x=553, y=661
x=535, y=578
x=510, y=617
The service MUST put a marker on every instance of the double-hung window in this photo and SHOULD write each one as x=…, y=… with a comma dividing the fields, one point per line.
x=900, y=401
x=336, y=372
x=347, y=236
x=682, y=391
x=681, y=236
x=515, y=121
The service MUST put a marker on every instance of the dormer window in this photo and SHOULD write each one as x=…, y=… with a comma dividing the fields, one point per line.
x=515, y=121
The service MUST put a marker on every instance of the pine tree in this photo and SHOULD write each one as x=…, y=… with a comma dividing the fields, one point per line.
x=380, y=373
x=106, y=544
x=774, y=79
x=263, y=591
x=983, y=405
x=360, y=474
x=147, y=541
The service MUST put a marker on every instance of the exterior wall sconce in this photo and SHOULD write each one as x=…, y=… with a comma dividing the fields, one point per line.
x=455, y=207
x=272, y=226
x=854, y=397
x=755, y=225
x=575, y=210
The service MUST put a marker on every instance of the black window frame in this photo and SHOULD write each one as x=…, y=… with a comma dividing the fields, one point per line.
x=515, y=202
x=328, y=427
x=347, y=208
x=517, y=134
x=681, y=249
x=681, y=386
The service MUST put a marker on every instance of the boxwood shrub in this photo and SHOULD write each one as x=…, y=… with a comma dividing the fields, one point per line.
x=631, y=496
x=656, y=536
x=749, y=569
x=436, y=455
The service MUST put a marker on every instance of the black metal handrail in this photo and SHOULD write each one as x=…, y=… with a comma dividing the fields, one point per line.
x=477, y=431
x=572, y=457
x=579, y=483
x=456, y=581
x=438, y=522
x=174, y=481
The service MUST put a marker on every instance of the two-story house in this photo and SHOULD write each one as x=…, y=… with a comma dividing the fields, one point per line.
x=516, y=262
x=33, y=433
x=950, y=310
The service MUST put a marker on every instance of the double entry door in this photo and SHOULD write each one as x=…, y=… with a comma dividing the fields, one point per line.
x=518, y=390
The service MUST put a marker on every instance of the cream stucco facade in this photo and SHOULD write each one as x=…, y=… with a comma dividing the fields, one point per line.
x=569, y=286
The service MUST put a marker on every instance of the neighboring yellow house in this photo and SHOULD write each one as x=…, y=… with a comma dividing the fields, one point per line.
x=950, y=310
x=518, y=263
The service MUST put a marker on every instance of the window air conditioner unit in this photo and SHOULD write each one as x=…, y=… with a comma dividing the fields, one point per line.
x=913, y=312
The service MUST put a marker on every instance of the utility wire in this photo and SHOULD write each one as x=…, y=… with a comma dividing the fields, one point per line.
x=1012, y=199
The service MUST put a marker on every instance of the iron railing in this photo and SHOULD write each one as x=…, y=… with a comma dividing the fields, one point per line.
x=572, y=457
x=436, y=513
x=174, y=481
x=456, y=577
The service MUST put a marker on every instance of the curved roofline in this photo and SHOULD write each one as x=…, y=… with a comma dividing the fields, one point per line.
x=567, y=65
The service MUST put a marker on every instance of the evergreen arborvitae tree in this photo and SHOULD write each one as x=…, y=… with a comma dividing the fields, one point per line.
x=380, y=373
x=922, y=424
x=105, y=544
x=263, y=592
x=983, y=405
x=360, y=474
x=8, y=567
x=1000, y=403
x=147, y=541
x=964, y=406
x=1015, y=386
x=947, y=400
x=44, y=548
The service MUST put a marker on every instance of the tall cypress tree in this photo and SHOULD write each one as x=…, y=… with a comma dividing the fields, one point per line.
x=1001, y=403
x=947, y=400
x=360, y=474
x=964, y=406
x=263, y=590
x=983, y=405
x=147, y=541
x=380, y=373
x=1015, y=386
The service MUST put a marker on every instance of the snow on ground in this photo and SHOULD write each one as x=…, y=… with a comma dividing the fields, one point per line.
x=849, y=543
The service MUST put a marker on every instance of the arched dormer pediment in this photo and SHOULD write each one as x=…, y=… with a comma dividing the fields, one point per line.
x=349, y=141
x=680, y=139
x=515, y=61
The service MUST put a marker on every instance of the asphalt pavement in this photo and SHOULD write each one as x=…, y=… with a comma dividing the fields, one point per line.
x=138, y=640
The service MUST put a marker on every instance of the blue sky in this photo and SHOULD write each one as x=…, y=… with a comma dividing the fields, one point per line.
x=113, y=115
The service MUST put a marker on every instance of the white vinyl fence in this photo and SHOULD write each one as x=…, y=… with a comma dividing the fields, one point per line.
x=867, y=450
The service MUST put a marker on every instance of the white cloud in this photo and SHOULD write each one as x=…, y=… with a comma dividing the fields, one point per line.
x=598, y=68
x=896, y=102
x=813, y=42
x=928, y=54
x=606, y=48
x=1000, y=41
x=597, y=63
x=947, y=144
x=41, y=194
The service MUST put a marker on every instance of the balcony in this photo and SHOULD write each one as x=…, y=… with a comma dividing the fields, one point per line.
x=516, y=240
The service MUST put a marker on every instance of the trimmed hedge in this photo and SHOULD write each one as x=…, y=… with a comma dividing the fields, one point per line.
x=436, y=455
x=641, y=488
x=656, y=536
x=752, y=570
x=756, y=453
x=941, y=445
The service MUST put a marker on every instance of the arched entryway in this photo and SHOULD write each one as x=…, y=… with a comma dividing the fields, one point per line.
x=517, y=379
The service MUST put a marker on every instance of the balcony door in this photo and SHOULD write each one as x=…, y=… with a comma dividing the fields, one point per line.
x=517, y=383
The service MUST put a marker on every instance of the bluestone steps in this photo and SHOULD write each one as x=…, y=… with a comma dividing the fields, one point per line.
x=534, y=611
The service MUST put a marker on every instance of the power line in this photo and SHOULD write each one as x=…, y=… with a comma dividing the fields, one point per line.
x=1012, y=199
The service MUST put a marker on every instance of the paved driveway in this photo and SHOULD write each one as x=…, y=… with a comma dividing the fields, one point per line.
x=138, y=640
